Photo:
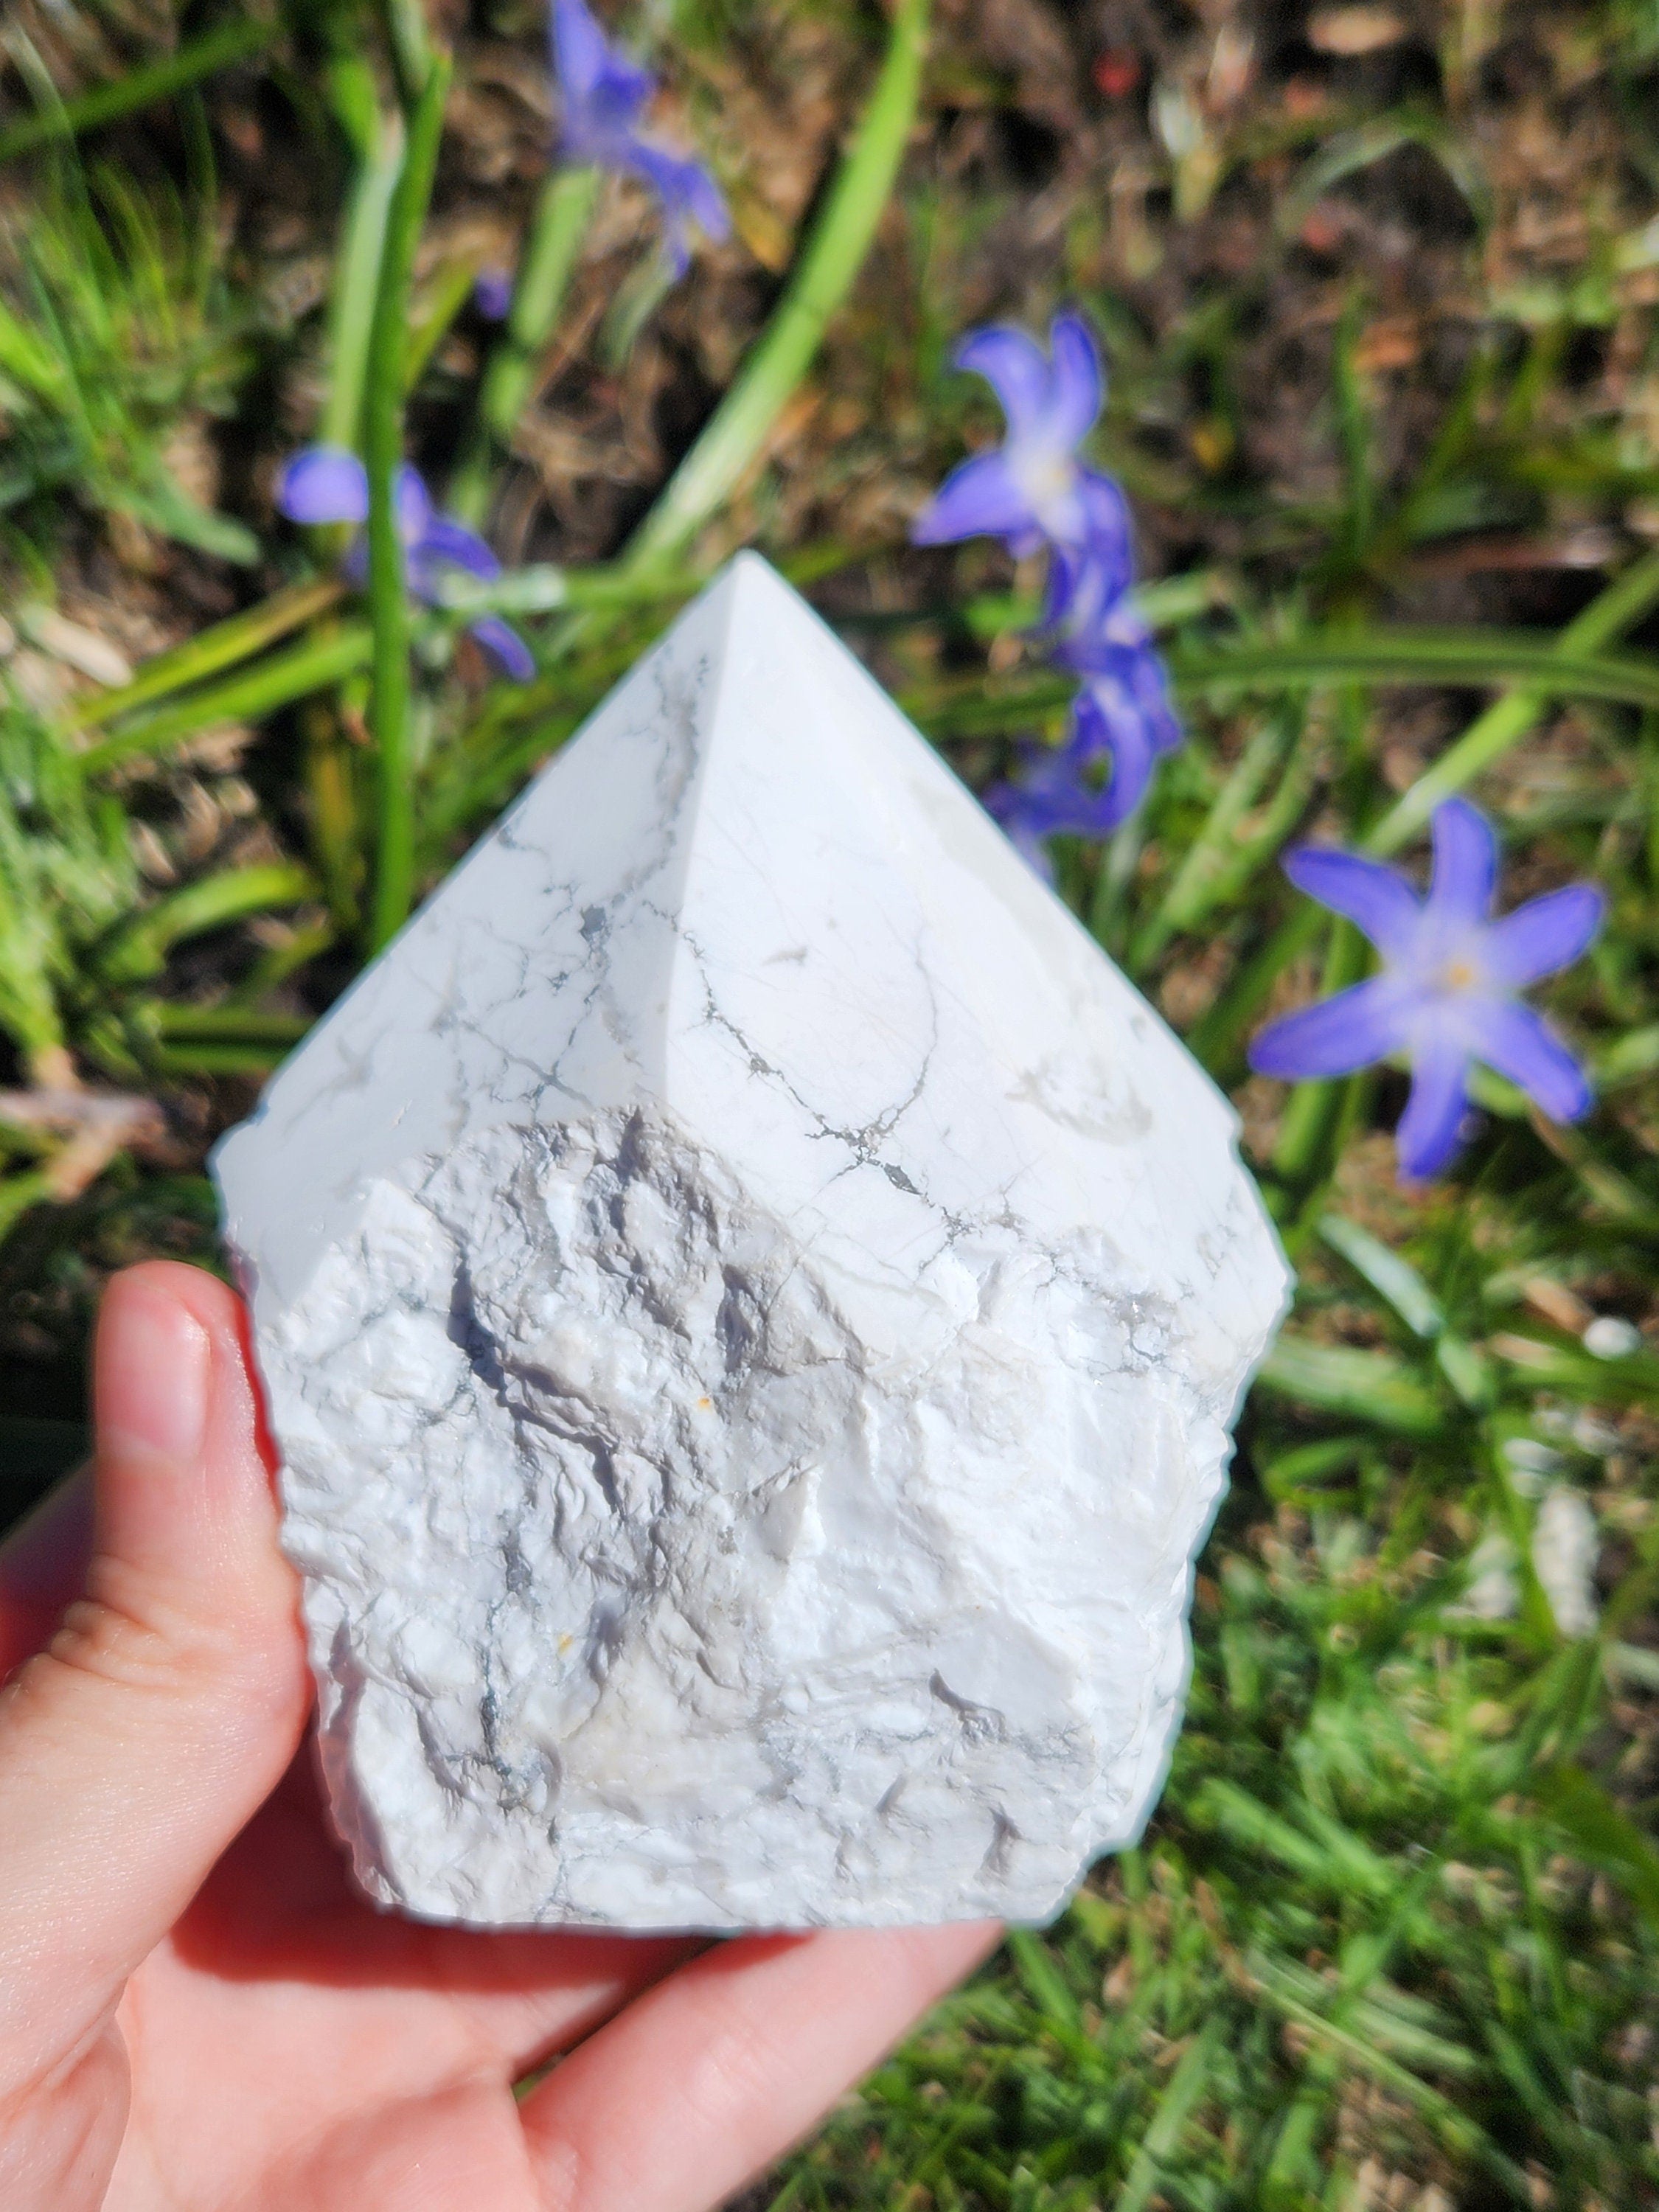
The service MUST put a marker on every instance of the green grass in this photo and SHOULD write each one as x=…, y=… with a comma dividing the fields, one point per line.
x=1391, y=1939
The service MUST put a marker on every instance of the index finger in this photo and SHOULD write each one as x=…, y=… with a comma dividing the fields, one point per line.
x=43, y=1566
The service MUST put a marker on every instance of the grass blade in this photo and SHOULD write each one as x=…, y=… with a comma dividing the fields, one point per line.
x=357, y=270
x=141, y=88
x=1552, y=668
x=141, y=947
x=1366, y=1386
x=275, y=683
x=1624, y=602
x=551, y=253
x=834, y=256
x=388, y=598
x=238, y=638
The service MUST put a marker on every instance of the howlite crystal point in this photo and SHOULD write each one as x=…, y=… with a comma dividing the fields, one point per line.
x=751, y=1303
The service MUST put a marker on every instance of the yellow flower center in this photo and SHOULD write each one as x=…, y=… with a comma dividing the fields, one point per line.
x=1459, y=976
x=1047, y=478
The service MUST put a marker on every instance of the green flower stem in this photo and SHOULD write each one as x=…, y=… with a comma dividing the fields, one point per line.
x=445, y=294
x=411, y=47
x=833, y=258
x=388, y=601
x=538, y=588
x=201, y=57
x=1549, y=667
x=275, y=683
x=551, y=253
x=1567, y=665
x=380, y=141
x=221, y=646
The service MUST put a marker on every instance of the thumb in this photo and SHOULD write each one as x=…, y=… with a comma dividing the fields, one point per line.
x=172, y=1695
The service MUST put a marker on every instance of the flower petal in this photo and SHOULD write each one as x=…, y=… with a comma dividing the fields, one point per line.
x=1465, y=863
x=325, y=483
x=689, y=195
x=1547, y=933
x=1378, y=898
x=414, y=507
x=1025, y=828
x=1521, y=1045
x=1109, y=722
x=590, y=70
x=1108, y=530
x=451, y=542
x=1013, y=365
x=492, y=294
x=503, y=641
x=1359, y=1025
x=1132, y=755
x=1429, y=1132
x=1085, y=595
x=1075, y=385
x=978, y=499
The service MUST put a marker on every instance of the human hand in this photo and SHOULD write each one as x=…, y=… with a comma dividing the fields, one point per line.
x=198, y=2013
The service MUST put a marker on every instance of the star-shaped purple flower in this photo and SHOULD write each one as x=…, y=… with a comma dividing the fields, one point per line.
x=1034, y=490
x=604, y=94
x=325, y=483
x=1120, y=723
x=1122, y=712
x=1446, y=994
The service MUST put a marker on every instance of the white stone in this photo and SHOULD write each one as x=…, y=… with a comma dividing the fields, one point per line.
x=1565, y=1547
x=1608, y=1337
x=1491, y=1592
x=751, y=1303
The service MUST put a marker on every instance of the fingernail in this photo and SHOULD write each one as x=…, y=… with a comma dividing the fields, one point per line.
x=153, y=1380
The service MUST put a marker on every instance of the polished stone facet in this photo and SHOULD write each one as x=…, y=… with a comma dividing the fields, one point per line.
x=751, y=1303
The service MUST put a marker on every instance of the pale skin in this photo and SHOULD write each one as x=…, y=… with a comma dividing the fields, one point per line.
x=197, y=2012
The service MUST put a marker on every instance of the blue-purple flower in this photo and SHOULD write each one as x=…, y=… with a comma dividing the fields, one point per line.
x=1121, y=723
x=604, y=94
x=492, y=294
x=1059, y=792
x=1033, y=491
x=1122, y=713
x=1446, y=994
x=324, y=485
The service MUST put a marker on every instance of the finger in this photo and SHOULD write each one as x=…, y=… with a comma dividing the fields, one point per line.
x=709, y=2076
x=134, y=1747
x=279, y=1907
x=43, y=1563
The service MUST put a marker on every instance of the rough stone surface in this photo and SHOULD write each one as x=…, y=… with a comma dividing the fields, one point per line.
x=751, y=1303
